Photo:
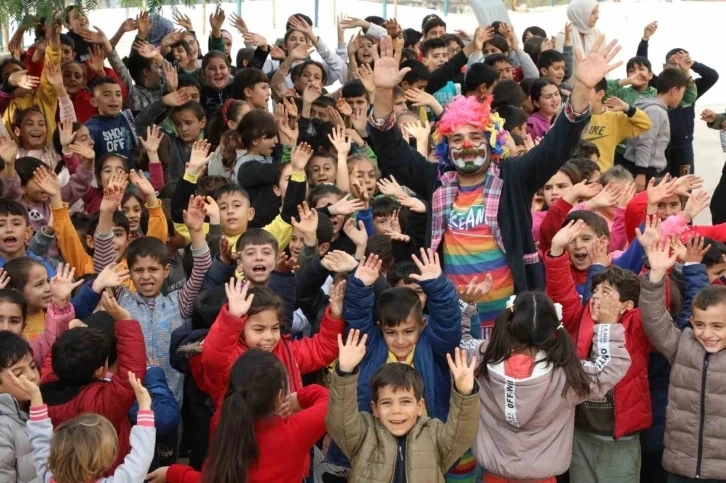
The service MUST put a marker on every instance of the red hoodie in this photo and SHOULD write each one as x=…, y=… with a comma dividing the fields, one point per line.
x=631, y=395
x=109, y=399
x=224, y=345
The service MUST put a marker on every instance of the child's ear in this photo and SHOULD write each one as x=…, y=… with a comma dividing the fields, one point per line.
x=247, y=93
x=16, y=131
x=29, y=232
x=405, y=85
x=603, y=238
x=167, y=269
x=90, y=242
x=542, y=72
x=231, y=125
x=323, y=249
x=276, y=190
x=374, y=408
x=93, y=102
x=203, y=122
x=421, y=407
x=250, y=214
x=629, y=305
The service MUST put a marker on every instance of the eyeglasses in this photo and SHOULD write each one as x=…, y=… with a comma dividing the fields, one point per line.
x=454, y=50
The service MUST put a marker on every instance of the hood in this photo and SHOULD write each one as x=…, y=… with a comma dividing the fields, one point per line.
x=9, y=407
x=649, y=102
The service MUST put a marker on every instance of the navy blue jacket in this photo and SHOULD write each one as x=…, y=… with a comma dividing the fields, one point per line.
x=166, y=411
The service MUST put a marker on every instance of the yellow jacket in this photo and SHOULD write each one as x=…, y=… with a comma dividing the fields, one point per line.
x=608, y=128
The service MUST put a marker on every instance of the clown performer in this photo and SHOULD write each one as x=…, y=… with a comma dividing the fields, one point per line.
x=480, y=199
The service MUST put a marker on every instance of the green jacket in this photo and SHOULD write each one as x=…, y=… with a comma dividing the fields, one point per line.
x=432, y=446
x=720, y=118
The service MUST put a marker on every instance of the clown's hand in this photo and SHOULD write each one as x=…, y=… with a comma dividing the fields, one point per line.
x=386, y=74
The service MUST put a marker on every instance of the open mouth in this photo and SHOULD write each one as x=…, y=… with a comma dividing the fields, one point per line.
x=259, y=269
x=710, y=343
x=147, y=285
x=113, y=107
x=10, y=240
x=397, y=422
x=580, y=257
x=266, y=347
x=36, y=136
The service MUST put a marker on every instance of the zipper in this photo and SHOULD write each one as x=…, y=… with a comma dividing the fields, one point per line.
x=703, y=415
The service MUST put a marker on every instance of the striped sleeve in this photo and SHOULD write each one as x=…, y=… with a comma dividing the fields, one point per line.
x=145, y=418
x=38, y=413
x=192, y=287
x=103, y=252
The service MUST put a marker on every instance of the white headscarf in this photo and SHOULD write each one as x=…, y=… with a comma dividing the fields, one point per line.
x=578, y=13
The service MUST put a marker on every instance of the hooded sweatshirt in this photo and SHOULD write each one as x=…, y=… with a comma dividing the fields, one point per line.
x=16, y=454
x=529, y=415
x=648, y=149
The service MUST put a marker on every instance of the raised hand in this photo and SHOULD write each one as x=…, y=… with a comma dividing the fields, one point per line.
x=83, y=151
x=649, y=30
x=300, y=156
x=142, y=184
x=412, y=203
x=8, y=150
x=98, y=37
x=302, y=52
x=109, y=277
x=47, y=181
x=369, y=269
x=358, y=235
x=21, y=79
x=177, y=98
x=627, y=194
x=239, y=301
x=143, y=24
x=593, y=66
x=616, y=104
x=685, y=184
x=182, y=20
x=128, y=25
x=695, y=250
x=200, y=157
x=344, y=108
x=419, y=131
x=584, y=190
x=62, y=285
x=664, y=189
x=147, y=50
x=390, y=187
x=346, y=206
x=153, y=138
x=366, y=76
x=462, y=371
x=606, y=198
x=216, y=21
x=709, y=116
x=386, y=74
x=65, y=132
x=307, y=221
x=428, y=265
x=255, y=39
x=211, y=209
x=285, y=263
x=419, y=98
x=4, y=278
x=607, y=309
x=660, y=259
x=651, y=231
x=54, y=76
x=142, y=394
x=565, y=236
x=96, y=59
x=110, y=305
x=696, y=203
x=339, y=261
x=352, y=352
x=474, y=291
x=297, y=23
x=114, y=192
x=598, y=253
x=337, y=293
x=238, y=23
x=194, y=214
x=340, y=141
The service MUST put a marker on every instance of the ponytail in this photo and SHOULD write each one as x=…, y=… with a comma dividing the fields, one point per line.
x=256, y=382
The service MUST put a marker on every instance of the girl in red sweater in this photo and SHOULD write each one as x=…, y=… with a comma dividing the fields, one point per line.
x=246, y=447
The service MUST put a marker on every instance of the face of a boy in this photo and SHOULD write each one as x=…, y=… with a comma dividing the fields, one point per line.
x=259, y=95
x=257, y=263
x=67, y=53
x=296, y=243
x=579, y=248
x=148, y=275
x=436, y=58
x=397, y=411
x=402, y=339
x=234, y=213
x=262, y=330
x=641, y=75
x=600, y=291
x=24, y=367
x=709, y=327
x=716, y=270
x=107, y=98
x=11, y=318
x=556, y=72
x=13, y=233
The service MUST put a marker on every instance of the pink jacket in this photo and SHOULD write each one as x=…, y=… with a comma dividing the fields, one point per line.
x=56, y=322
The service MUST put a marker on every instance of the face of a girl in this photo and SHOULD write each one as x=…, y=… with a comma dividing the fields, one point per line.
x=73, y=77
x=337, y=220
x=549, y=100
x=83, y=137
x=594, y=16
x=193, y=47
x=262, y=330
x=227, y=45
x=312, y=73
x=187, y=125
x=216, y=74
x=111, y=166
x=669, y=207
x=32, y=131
x=281, y=188
x=132, y=210
x=295, y=40
x=11, y=318
x=37, y=289
x=323, y=170
x=180, y=54
x=556, y=188
x=490, y=49
x=366, y=51
x=366, y=173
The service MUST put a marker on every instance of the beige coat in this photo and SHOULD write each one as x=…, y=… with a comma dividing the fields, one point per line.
x=695, y=435
x=432, y=446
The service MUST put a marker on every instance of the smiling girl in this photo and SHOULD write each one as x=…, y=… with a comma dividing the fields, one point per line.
x=546, y=101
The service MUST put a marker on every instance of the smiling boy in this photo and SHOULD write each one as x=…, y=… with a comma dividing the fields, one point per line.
x=112, y=129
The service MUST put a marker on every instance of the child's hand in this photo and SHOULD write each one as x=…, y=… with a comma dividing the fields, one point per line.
x=337, y=292
x=199, y=158
x=651, y=231
x=158, y=475
x=340, y=140
x=708, y=115
x=419, y=98
x=307, y=224
x=62, y=285
x=239, y=301
x=339, y=261
x=584, y=190
x=475, y=291
x=82, y=151
x=300, y=156
x=665, y=189
x=696, y=203
x=598, y=253
x=413, y=204
x=110, y=305
x=365, y=74
x=176, y=98
x=659, y=259
x=352, y=352
x=216, y=21
x=616, y=104
x=420, y=132
x=335, y=118
x=96, y=59
x=66, y=134
x=142, y=184
x=142, y=395
x=390, y=187
x=226, y=251
x=4, y=278
x=312, y=91
x=565, y=236
x=21, y=79
x=289, y=406
x=194, y=214
x=695, y=250
x=358, y=190
x=358, y=236
x=685, y=184
x=53, y=75
x=110, y=278
x=344, y=108
x=153, y=139
x=27, y=386
x=8, y=150
x=428, y=265
x=606, y=198
x=649, y=30
x=627, y=194
x=286, y=264
x=47, y=181
x=368, y=270
x=607, y=309
x=462, y=371
x=346, y=206
x=211, y=209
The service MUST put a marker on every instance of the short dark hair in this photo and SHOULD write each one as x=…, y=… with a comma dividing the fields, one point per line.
x=146, y=246
x=513, y=116
x=324, y=102
x=78, y=353
x=430, y=44
x=640, y=62
x=230, y=188
x=101, y=81
x=257, y=236
x=183, y=44
x=248, y=77
x=585, y=166
x=624, y=281
x=399, y=377
x=307, y=19
x=585, y=149
x=602, y=85
x=66, y=39
x=494, y=59
x=324, y=232
x=411, y=37
x=709, y=296
x=384, y=206
x=186, y=80
x=549, y=57
x=479, y=74
x=671, y=78
x=419, y=72
x=433, y=23
x=673, y=52
x=136, y=65
x=535, y=91
x=209, y=185
x=13, y=208
x=401, y=271
x=103, y=322
x=534, y=30
x=381, y=245
x=507, y=92
x=375, y=19
x=13, y=349
x=593, y=220
x=26, y=166
x=321, y=191
x=353, y=88
x=193, y=106
x=13, y=296
x=244, y=54
x=396, y=304
x=449, y=38
x=266, y=299
x=715, y=254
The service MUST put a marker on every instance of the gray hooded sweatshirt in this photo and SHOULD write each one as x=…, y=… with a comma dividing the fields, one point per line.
x=16, y=454
x=648, y=149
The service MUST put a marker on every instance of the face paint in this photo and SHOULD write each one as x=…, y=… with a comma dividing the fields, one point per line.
x=469, y=159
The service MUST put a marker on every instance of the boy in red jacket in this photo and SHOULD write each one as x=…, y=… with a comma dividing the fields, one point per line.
x=605, y=430
x=80, y=364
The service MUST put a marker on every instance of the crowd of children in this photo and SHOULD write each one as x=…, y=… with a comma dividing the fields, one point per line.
x=474, y=261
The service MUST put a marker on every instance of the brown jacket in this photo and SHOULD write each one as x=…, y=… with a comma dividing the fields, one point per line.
x=431, y=446
x=695, y=435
